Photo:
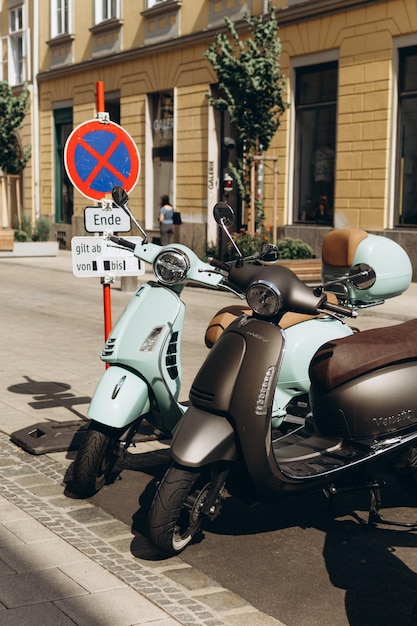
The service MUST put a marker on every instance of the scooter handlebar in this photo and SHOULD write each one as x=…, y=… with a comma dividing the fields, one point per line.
x=130, y=245
x=221, y=265
x=339, y=309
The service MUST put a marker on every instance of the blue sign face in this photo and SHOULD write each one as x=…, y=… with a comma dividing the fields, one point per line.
x=99, y=156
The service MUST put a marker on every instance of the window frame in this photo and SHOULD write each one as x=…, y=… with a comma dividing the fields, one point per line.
x=317, y=175
x=399, y=168
x=305, y=61
x=61, y=17
x=17, y=44
x=105, y=10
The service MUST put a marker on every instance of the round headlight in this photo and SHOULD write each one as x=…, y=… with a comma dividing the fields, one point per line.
x=171, y=266
x=264, y=298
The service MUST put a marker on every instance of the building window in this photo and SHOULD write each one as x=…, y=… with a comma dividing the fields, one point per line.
x=106, y=10
x=17, y=39
x=315, y=133
x=406, y=170
x=152, y=3
x=60, y=17
x=64, y=203
x=112, y=106
x=162, y=115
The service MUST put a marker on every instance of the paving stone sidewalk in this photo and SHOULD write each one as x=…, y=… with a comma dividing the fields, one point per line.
x=65, y=561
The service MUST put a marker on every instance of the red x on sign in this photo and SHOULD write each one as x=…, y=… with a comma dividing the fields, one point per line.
x=98, y=156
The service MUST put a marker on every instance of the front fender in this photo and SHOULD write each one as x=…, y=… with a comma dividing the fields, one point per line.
x=119, y=399
x=201, y=438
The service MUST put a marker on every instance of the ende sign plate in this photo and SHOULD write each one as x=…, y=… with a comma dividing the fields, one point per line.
x=98, y=257
x=98, y=219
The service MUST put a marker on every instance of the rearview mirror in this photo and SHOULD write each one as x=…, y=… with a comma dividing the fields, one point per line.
x=362, y=276
x=223, y=214
x=119, y=196
x=269, y=253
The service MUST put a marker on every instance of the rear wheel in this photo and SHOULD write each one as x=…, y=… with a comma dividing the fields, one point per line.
x=95, y=459
x=176, y=513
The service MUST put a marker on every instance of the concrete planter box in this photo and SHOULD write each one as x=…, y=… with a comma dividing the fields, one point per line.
x=35, y=248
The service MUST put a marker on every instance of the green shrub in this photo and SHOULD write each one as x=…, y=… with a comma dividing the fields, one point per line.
x=294, y=249
x=42, y=229
x=289, y=248
x=23, y=229
x=25, y=232
x=21, y=235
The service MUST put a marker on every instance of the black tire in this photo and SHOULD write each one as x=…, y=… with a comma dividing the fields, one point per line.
x=175, y=517
x=95, y=459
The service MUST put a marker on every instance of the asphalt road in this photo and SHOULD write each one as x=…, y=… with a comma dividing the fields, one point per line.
x=304, y=561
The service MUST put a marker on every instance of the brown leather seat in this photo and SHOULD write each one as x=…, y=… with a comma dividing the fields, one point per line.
x=341, y=360
x=340, y=245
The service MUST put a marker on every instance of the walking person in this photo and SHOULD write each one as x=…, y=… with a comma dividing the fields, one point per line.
x=166, y=221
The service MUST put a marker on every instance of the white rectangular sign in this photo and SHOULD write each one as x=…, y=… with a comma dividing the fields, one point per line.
x=95, y=256
x=98, y=219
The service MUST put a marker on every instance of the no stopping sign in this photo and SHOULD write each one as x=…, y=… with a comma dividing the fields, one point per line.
x=98, y=156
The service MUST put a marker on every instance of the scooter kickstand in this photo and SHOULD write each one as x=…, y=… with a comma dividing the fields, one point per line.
x=374, y=515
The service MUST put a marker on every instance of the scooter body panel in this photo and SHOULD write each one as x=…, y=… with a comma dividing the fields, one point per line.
x=144, y=348
x=378, y=404
x=201, y=438
x=237, y=380
x=120, y=398
x=304, y=338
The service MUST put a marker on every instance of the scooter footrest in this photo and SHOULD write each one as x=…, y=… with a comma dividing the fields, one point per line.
x=309, y=448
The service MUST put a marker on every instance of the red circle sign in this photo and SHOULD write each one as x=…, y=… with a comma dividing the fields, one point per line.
x=98, y=156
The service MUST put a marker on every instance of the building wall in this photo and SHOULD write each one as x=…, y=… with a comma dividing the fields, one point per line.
x=135, y=59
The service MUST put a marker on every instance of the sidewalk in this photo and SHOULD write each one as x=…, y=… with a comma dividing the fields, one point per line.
x=64, y=561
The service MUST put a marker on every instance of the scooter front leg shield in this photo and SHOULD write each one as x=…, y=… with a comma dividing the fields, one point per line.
x=201, y=438
x=119, y=399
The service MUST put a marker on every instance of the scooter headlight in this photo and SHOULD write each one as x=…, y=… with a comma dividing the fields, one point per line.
x=264, y=298
x=171, y=266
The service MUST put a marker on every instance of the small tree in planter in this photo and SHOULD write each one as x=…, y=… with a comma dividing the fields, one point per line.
x=12, y=113
x=252, y=89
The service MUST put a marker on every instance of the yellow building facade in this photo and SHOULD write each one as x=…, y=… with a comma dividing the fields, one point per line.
x=346, y=150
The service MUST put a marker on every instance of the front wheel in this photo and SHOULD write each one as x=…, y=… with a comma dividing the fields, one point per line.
x=179, y=506
x=95, y=459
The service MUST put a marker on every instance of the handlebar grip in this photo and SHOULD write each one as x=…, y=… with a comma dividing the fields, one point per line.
x=340, y=309
x=219, y=264
x=130, y=245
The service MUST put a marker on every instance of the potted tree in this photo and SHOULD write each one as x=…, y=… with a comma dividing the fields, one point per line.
x=22, y=237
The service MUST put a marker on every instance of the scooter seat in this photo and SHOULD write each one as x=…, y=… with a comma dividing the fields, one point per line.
x=338, y=361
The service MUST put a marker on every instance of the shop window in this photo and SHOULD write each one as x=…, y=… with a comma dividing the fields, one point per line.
x=64, y=204
x=406, y=170
x=162, y=111
x=315, y=136
x=112, y=106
